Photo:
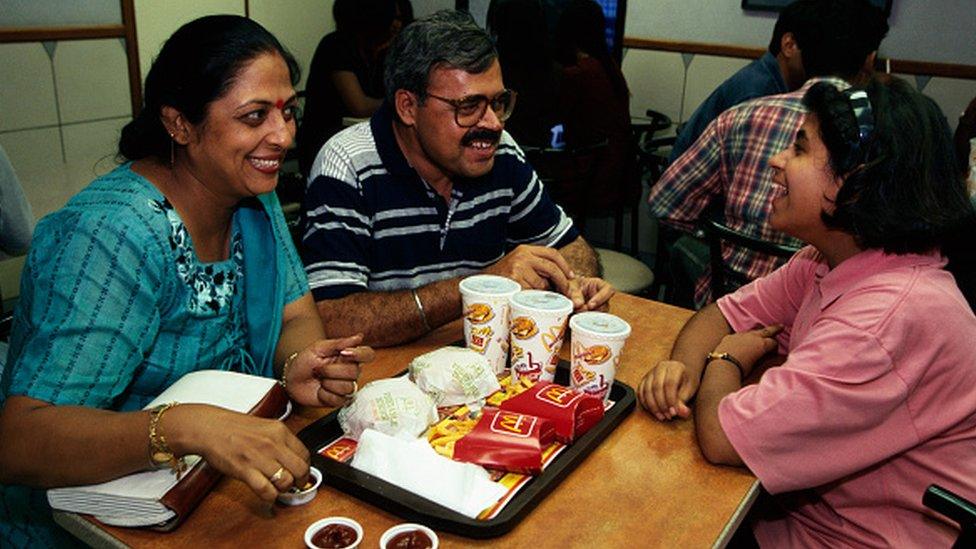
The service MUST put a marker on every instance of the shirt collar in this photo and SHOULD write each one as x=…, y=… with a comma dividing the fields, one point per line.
x=771, y=65
x=835, y=282
x=837, y=82
x=381, y=123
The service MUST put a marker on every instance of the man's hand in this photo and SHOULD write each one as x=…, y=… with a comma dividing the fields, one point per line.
x=535, y=267
x=590, y=293
x=666, y=389
x=325, y=372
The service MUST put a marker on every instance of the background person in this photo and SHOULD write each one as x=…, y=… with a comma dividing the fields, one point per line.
x=176, y=261
x=874, y=401
x=345, y=77
x=430, y=190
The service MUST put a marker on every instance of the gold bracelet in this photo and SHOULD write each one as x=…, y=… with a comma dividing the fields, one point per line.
x=284, y=369
x=160, y=454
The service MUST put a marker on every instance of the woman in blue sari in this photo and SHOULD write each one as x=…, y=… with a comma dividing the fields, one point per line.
x=178, y=260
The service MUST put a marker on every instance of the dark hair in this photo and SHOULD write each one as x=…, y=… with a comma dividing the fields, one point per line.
x=582, y=26
x=446, y=38
x=901, y=191
x=195, y=67
x=370, y=19
x=519, y=30
x=834, y=36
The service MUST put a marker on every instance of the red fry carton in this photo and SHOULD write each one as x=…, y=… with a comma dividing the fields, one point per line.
x=507, y=441
x=572, y=412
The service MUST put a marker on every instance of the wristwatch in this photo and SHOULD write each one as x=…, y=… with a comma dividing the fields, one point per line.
x=714, y=355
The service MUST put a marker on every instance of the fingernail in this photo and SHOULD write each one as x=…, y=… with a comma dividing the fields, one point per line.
x=347, y=352
x=672, y=411
x=660, y=416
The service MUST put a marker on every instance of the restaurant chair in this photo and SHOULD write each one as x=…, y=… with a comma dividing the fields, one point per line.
x=725, y=280
x=955, y=507
x=569, y=175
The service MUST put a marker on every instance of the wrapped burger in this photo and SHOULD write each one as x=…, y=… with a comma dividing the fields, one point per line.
x=394, y=406
x=454, y=376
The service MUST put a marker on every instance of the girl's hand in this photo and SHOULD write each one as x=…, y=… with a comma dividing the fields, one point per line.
x=326, y=372
x=666, y=389
x=749, y=347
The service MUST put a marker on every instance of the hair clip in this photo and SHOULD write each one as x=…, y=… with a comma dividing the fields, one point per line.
x=863, y=114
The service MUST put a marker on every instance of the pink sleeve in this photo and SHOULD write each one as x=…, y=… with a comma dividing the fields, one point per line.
x=774, y=298
x=835, y=407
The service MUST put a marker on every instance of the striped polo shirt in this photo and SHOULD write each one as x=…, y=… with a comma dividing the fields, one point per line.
x=371, y=223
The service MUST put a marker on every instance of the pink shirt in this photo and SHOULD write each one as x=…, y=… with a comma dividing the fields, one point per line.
x=876, y=400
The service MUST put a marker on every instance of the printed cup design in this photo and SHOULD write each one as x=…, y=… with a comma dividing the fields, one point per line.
x=485, y=303
x=597, y=343
x=537, y=328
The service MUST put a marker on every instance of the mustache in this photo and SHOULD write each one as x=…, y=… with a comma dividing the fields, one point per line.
x=481, y=134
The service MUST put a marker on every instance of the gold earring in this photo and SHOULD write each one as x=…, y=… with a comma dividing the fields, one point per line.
x=172, y=150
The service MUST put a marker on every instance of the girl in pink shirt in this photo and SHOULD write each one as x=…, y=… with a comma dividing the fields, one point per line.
x=875, y=399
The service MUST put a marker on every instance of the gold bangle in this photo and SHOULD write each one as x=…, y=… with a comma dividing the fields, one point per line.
x=284, y=369
x=160, y=454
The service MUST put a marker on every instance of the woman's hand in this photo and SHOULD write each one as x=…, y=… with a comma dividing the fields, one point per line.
x=248, y=448
x=326, y=372
x=749, y=347
x=666, y=389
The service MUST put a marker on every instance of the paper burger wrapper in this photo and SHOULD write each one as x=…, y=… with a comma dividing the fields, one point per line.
x=537, y=328
x=396, y=407
x=507, y=441
x=453, y=376
x=484, y=302
x=572, y=412
x=597, y=343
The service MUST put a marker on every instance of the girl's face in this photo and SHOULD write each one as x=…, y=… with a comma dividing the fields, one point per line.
x=810, y=186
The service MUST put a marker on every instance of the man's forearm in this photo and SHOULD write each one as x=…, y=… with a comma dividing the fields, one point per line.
x=582, y=258
x=391, y=318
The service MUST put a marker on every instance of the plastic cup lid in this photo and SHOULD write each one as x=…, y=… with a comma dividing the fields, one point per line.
x=600, y=324
x=543, y=301
x=490, y=284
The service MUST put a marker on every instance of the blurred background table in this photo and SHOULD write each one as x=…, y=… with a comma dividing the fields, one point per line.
x=646, y=484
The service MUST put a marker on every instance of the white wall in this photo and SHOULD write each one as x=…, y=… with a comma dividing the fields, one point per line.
x=941, y=31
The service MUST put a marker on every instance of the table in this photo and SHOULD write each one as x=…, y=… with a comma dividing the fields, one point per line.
x=646, y=484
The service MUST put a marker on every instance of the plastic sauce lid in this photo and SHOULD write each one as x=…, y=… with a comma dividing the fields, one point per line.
x=600, y=324
x=489, y=284
x=543, y=301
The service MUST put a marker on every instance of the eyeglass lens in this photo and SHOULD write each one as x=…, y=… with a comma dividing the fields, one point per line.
x=472, y=110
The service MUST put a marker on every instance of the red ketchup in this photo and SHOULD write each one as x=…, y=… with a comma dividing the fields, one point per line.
x=334, y=536
x=411, y=539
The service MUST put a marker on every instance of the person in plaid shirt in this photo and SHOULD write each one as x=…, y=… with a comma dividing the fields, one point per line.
x=730, y=160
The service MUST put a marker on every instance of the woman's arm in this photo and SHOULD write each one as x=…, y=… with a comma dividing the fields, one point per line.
x=671, y=384
x=82, y=445
x=316, y=371
x=352, y=95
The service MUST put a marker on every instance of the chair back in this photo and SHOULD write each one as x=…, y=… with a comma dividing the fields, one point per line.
x=716, y=231
x=567, y=174
x=956, y=508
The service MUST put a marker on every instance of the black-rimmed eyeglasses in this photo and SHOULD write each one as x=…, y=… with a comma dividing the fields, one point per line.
x=469, y=110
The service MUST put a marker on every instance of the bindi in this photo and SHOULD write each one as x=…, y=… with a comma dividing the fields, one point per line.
x=280, y=104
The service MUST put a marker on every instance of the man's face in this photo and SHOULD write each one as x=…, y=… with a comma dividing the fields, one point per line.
x=451, y=148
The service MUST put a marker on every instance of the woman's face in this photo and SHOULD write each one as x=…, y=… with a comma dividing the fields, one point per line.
x=808, y=184
x=237, y=150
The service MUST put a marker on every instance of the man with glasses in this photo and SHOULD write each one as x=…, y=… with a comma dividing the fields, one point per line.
x=430, y=190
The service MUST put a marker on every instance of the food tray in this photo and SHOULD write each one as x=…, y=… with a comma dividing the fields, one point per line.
x=415, y=508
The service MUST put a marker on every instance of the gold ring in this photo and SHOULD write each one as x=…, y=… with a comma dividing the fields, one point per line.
x=277, y=475
x=355, y=389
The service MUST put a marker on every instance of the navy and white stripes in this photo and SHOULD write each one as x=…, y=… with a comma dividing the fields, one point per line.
x=371, y=223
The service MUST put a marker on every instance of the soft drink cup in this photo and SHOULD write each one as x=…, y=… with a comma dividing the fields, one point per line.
x=537, y=327
x=597, y=344
x=485, y=303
